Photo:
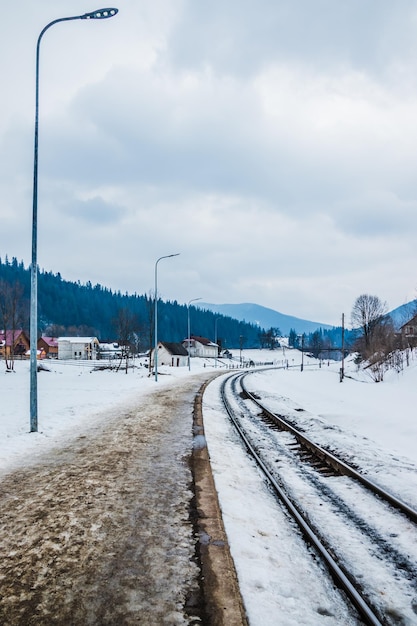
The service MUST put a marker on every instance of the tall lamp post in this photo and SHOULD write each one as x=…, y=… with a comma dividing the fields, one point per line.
x=189, y=331
x=94, y=15
x=155, y=352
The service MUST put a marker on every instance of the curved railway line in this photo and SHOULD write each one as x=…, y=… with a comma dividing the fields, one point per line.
x=338, y=510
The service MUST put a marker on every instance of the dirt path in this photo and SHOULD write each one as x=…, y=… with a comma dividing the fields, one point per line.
x=99, y=533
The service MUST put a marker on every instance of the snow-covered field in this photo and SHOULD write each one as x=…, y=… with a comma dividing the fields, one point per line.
x=72, y=397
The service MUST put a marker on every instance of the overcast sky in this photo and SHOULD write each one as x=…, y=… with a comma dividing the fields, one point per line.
x=272, y=144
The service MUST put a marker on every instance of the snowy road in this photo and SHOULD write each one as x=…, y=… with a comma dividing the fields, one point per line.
x=99, y=532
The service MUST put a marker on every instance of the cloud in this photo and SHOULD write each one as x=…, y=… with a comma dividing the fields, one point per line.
x=96, y=211
x=241, y=37
x=272, y=144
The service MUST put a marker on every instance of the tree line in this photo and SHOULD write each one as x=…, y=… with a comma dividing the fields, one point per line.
x=68, y=308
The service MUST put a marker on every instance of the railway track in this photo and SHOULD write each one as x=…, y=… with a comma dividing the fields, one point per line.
x=366, y=536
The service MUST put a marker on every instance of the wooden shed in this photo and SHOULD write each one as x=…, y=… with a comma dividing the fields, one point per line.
x=48, y=346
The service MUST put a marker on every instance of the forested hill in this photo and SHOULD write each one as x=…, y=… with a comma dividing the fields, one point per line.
x=68, y=308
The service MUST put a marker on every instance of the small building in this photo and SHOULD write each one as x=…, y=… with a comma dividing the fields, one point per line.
x=13, y=342
x=48, y=347
x=201, y=347
x=409, y=331
x=84, y=348
x=172, y=354
x=110, y=350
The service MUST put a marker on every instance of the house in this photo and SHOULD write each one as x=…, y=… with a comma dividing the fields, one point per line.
x=201, y=347
x=110, y=350
x=77, y=348
x=409, y=331
x=172, y=354
x=13, y=342
x=48, y=346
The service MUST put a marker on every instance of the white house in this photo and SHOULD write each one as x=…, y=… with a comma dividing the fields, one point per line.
x=110, y=350
x=201, y=347
x=77, y=347
x=172, y=354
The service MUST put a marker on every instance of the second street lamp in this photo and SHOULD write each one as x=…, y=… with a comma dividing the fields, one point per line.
x=215, y=340
x=189, y=337
x=155, y=352
x=99, y=14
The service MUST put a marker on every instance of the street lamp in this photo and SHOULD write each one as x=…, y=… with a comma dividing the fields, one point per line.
x=94, y=15
x=155, y=352
x=215, y=340
x=189, y=338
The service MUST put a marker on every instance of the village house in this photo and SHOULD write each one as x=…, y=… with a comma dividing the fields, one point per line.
x=110, y=350
x=409, y=332
x=172, y=354
x=84, y=348
x=48, y=347
x=13, y=342
x=201, y=347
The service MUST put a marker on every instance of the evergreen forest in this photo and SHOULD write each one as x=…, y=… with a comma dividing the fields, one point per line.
x=70, y=308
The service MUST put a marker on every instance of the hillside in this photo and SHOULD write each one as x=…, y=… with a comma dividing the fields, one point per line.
x=264, y=317
x=69, y=308
x=403, y=313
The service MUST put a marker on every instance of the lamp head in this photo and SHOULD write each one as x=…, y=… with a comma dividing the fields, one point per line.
x=100, y=14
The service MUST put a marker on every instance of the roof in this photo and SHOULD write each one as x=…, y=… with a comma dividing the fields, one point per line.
x=52, y=342
x=79, y=339
x=11, y=336
x=412, y=321
x=203, y=340
x=174, y=348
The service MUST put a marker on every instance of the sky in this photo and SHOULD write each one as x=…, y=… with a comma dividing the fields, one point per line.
x=273, y=145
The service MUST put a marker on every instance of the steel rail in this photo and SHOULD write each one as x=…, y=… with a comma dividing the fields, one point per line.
x=331, y=459
x=364, y=610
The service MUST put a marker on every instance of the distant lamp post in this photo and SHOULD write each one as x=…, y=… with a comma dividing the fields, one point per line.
x=189, y=331
x=215, y=340
x=155, y=352
x=94, y=15
x=241, y=341
x=302, y=352
x=342, y=369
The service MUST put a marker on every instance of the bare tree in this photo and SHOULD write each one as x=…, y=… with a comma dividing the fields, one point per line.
x=368, y=314
x=383, y=348
x=378, y=344
x=126, y=325
x=150, y=321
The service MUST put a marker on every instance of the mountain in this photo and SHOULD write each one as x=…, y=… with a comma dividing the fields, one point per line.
x=264, y=317
x=403, y=313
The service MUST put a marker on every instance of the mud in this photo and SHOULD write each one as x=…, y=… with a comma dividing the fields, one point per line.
x=99, y=533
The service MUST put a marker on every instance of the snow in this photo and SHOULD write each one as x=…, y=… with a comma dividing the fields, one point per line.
x=373, y=422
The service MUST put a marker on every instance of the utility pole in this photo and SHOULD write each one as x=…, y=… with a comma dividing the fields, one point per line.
x=302, y=352
x=342, y=369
